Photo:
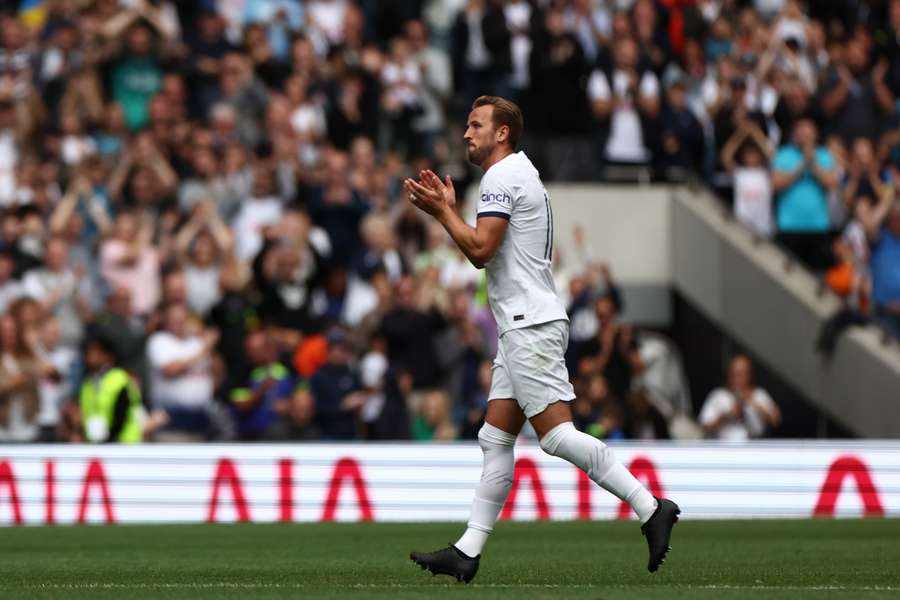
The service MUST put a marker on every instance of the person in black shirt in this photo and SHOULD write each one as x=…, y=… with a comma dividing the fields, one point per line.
x=336, y=388
x=410, y=333
x=612, y=352
x=856, y=99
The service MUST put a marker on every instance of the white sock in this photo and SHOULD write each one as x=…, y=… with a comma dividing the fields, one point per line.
x=496, y=479
x=596, y=459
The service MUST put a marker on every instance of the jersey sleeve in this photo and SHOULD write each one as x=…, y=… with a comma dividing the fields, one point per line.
x=496, y=199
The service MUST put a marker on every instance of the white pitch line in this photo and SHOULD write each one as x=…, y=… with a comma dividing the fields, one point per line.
x=301, y=586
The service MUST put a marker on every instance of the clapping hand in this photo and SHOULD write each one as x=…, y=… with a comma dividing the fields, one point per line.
x=430, y=194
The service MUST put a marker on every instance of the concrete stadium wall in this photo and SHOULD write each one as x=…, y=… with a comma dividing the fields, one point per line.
x=158, y=483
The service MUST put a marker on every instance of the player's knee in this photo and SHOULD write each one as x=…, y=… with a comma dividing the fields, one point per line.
x=555, y=438
x=490, y=437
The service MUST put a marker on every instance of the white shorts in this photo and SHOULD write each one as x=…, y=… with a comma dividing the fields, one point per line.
x=531, y=367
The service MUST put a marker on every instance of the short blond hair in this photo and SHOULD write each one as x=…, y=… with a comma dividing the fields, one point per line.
x=506, y=112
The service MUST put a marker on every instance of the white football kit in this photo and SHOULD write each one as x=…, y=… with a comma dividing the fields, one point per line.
x=531, y=319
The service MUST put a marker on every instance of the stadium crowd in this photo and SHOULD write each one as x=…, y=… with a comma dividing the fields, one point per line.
x=202, y=234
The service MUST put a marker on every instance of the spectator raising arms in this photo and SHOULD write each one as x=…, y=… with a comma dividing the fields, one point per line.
x=745, y=156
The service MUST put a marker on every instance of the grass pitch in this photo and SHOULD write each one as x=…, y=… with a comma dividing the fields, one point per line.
x=597, y=560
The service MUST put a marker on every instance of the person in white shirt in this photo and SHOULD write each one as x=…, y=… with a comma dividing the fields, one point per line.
x=56, y=384
x=262, y=209
x=181, y=379
x=513, y=241
x=752, y=181
x=740, y=410
x=623, y=99
x=60, y=290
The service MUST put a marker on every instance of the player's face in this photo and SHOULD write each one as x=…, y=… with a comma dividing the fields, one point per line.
x=480, y=134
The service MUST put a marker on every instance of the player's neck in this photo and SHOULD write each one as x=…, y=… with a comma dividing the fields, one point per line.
x=499, y=153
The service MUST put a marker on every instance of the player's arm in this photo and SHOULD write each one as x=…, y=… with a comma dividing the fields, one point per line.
x=438, y=198
x=478, y=243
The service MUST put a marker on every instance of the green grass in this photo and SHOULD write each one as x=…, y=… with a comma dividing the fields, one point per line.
x=599, y=560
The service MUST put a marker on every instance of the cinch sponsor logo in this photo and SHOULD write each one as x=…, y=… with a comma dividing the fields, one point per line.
x=501, y=198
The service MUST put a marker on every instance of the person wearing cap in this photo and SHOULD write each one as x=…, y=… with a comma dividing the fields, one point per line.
x=337, y=391
x=110, y=399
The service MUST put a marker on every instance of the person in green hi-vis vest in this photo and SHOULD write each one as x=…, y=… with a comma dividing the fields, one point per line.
x=110, y=399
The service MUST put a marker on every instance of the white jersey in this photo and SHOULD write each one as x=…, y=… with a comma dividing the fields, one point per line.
x=520, y=283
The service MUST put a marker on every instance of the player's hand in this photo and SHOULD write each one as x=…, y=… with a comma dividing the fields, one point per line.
x=446, y=186
x=429, y=197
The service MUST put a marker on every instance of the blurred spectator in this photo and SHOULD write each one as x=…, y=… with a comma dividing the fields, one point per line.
x=57, y=383
x=745, y=156
x=336, y=389
x=109, y=399
x=624, y=101
x=204, y=243
x=124, y=331
x=286, y=273
x=644, y=421
x=595, y=411
x=882, y=226
x=682, y=134
x=402, y=97
x=19, y=375
x=481, y=50
x=558, y=70
x=262, y=209
x=437, y=84
x=181, y=380
x=803, y=173
x=137, y=76
x=268, y=394
x=338, y=208
x=432, y=423
x=410, y=330
x=853, y=286
x=129, y=260
x=612, y=352
x=12, y=242
x=863, y=178
x=60, y=291
x=856, y=97
x=740, y=410
x=10, y=288
x=731, y=107
x=298, y=423
x=234, y=316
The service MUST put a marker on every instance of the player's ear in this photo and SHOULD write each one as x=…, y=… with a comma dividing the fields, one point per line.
x=502, y=134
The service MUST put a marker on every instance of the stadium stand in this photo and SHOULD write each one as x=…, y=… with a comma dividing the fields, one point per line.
x=213, y=190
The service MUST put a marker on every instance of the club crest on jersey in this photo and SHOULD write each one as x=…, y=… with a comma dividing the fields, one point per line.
x=503, y=198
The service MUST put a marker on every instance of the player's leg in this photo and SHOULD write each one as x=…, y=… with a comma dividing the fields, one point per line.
x=536, y=360
x=559, y=437
x=497, y=437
